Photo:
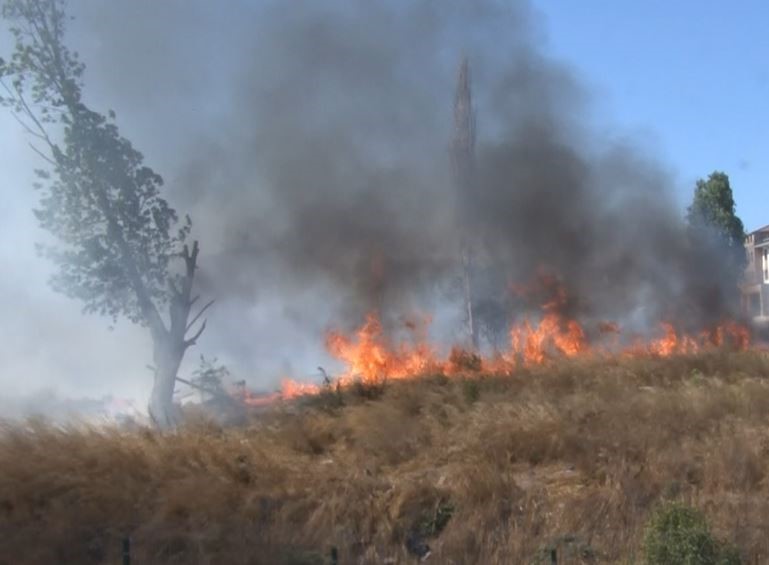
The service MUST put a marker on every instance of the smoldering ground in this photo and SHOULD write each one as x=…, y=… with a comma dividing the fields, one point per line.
x=310, y=140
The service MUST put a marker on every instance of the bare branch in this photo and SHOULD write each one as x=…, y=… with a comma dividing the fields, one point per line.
x=203, y=388
x=31, y=115
x=41, y=132
x=190, y=342
x=26, y=127
x=191, y=259
x=198, y=315
x=45, y=157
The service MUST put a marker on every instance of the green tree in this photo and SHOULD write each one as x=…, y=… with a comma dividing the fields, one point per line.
x=118, y=241
x=713, y=210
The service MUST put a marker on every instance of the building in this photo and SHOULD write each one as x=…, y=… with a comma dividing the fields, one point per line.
x=755, y=285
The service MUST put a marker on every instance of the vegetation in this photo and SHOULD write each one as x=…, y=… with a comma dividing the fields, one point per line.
x=574, y=460
x=713, y=207
x=679, y=535
x=117, y=236
x=712, y=219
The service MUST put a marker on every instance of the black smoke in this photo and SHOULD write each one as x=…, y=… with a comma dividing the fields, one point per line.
x=310, y=143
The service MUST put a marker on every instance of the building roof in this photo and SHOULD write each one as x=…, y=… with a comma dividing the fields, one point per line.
x=764, y=229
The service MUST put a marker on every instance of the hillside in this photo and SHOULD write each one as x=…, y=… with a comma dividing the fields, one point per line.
x=570, y=457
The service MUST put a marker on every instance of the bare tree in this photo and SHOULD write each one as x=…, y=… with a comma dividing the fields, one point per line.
x=463, y=161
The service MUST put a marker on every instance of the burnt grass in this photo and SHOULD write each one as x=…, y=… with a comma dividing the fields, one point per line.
x=571, y=458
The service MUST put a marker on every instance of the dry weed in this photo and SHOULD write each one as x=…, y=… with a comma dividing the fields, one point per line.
x=568, y=458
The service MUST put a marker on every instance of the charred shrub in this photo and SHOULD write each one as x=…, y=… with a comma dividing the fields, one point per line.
x=368, y=390
x=465, y=360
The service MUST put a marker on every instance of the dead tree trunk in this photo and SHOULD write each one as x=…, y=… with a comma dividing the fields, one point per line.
x=167, y=356
x=170, y=343
x=462, y=161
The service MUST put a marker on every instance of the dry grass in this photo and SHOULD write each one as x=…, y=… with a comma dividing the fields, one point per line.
x=571, y=457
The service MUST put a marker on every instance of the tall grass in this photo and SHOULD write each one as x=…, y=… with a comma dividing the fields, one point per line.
x=571, y=458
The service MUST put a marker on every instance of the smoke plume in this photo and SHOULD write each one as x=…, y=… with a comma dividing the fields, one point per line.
x=310, y=143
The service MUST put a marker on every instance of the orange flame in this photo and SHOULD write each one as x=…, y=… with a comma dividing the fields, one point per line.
x=370, y=356
x=555, y=334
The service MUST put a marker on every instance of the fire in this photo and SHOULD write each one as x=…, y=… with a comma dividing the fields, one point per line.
x=555, y=334
x=666, y=345
x=256, y=400
x=552, y=336
x=728, y=333
x=371, y=355
x=292, y=389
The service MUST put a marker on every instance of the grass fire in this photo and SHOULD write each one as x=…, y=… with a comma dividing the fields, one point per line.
x=529, y=348
x=370, y=356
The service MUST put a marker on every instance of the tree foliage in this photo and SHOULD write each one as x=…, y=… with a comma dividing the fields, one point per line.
x=713, y=209
x=116, y=234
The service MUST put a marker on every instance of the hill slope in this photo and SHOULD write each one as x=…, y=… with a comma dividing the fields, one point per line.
x=572, y=457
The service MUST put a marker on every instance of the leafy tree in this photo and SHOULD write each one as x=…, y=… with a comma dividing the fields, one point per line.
x=716, y=239
x=118, y=240
x=713, y=210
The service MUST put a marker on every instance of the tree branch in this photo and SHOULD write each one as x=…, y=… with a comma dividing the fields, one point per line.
x=26, y=127
x=203, y=388
x=198, y=315
x=28, y=111
x=190, y=263
x=42, y=155
x=190, y=342
x=18, y=96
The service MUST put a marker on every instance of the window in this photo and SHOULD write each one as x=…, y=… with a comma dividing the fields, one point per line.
x=765, y=265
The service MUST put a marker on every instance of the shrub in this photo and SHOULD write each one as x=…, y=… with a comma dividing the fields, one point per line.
x=465, y=360
x=368, y=390
x=330, y=398
x=471, y=390
x=679, y=535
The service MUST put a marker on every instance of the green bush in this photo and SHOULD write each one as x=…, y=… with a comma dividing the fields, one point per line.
x=679, y=535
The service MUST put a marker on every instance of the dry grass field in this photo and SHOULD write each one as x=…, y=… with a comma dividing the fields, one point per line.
x=565, y=460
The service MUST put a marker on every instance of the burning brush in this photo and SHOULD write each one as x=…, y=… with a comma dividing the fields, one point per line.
x=371, y=356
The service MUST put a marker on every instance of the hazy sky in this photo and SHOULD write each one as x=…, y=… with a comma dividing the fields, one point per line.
x=687, y=81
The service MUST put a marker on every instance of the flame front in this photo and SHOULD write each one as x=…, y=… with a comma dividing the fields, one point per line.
x=370, y=356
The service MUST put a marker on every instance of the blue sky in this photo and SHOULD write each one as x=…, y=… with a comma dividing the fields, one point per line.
x=691, y=78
